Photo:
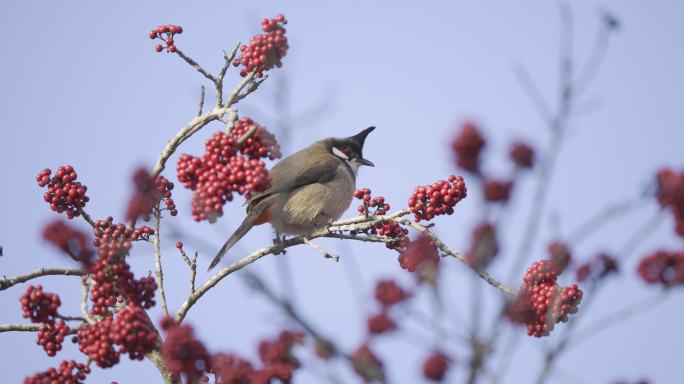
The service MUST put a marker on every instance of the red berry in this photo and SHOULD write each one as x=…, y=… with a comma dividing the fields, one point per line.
x=158, y=48
x=172, y=48
x=179, y=245
x=467, y=146
x=153, y=35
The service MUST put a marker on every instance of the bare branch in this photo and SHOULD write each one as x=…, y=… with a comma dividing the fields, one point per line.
x=453, y=253
x=196, y=65
x=28, y=328
x=201, y=102
x=185, y=257
x=601, y=218
x=320, y=250
x=533, y=93
x=157, y=260
x=619, y=316
x=233, y=97
x=9, y=282
x=84, y=299
x=193, y=273
x=219, y=84
x=87, y=218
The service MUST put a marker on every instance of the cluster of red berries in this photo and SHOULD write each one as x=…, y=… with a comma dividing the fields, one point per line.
x=483, y=246
x=260, y=143
x=522, y=155
x=663, y=267
x=70, y=240
x=597, y=268
x=380, y=323
x=670, y=194
x=429, y=201
x=436, y=365
x=149, y=191
x=221, y=171
x=39, y=306
x=367, y=365
x=390, y=229
x=276, y=356
x=95, y=341
x=111, y=274
x=131, y=330
x=51, y=336
x=368, y=202
x=541, y=302
x=182, y=352
x=559, y=254
x=232, y=369
x=279, y=351
x=69, y=371
x=64, y=193
x=389, y=293
x=497, y=191
x=467, y=146
x=166, y=33
x=266, y=50
x=420, y=253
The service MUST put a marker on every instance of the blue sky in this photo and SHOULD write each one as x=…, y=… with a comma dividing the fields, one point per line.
x=82, y=85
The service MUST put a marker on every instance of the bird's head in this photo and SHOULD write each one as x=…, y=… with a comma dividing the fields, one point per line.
x=350, y=149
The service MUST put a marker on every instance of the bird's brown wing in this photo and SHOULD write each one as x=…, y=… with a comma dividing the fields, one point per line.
x=286, y=178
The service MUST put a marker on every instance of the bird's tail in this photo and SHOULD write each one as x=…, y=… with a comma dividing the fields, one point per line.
x=242, y=230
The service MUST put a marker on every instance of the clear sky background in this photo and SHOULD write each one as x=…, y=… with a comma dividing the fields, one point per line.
x=81, y=84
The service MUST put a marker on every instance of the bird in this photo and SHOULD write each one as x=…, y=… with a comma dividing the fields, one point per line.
x=309, y=189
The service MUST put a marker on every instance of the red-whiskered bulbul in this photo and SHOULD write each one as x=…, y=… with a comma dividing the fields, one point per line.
x=309, y=189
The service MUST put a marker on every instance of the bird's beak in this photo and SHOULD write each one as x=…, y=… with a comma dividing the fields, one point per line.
x=366, y=162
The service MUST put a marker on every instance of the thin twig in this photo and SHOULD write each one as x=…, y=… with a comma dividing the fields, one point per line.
x=157, y=260
x=196, y=65
x=193, y=273
x=533, y=93
x=87, y=218
x=595, y=60
x=9, y=282
x=201, y=101
x=320, y=250
x=84, y=299
x=453, y=253
x=222, y=73
x=619, y=316
x=603, y=217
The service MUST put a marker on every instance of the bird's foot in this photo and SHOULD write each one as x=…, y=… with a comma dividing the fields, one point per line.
x=279, y=244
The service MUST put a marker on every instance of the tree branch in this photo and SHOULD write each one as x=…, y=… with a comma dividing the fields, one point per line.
x=9, y=282
x=157, y=260
x=453, y=253
x=196, y=65
x=356, y=224
x=29, y=328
